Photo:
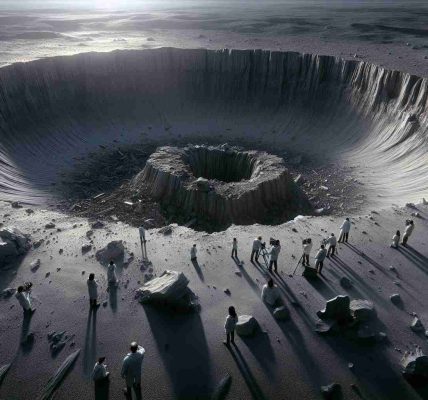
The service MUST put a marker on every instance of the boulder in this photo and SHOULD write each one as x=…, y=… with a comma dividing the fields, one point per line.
x=395, y=298
x=16, y=204
x=13, y=243
x=6, y=293
x=166, y=230
x=202, y=184
x=416, y=325
x=50, y=225
x=86, y=248
x=281, y=313
x=246, y=325
x=333, y=391
x=345, y=283
x=325, y=327
x=336, y=309
x=415, y=364
x=362, y=310
x=366, y=334
x=97, y=225
x=115, y=250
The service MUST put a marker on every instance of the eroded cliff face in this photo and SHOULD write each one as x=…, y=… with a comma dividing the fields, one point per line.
x=55, y=109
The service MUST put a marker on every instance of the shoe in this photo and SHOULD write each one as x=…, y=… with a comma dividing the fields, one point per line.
x=226, y=344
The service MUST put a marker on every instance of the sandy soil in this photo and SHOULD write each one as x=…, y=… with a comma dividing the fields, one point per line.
x=185, y=356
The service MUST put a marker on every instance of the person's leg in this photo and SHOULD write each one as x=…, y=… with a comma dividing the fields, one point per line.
x=275, y=263
x=328, y=251
x=317, y=263
x=321, y=264
x=257, y=255
x=346, y=237
x=227, y=342
x=137, y=390
x=252, y=255
x=270, y=265
x=333, y=250
x=232, y=336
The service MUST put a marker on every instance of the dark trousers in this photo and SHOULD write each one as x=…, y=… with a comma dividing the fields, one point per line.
x=332, y=250
x=235, y=253
x=230, y=337
x=344, y=237
x=273, y=263
x=319, y=265
x=93, y=303
x=254, y=253
x=405, y=239
x=137, y=391
x=305, y=259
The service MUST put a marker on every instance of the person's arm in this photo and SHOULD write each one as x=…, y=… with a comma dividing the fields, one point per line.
x=141, y=350
x=264, y=293
x=124, y=368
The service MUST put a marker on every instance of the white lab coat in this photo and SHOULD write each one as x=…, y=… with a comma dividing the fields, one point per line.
x=332, y=241
x=256, y=244
x=321, y=255
x=395, y=240
x=92, y=289
x=409, y=229
x=24, y=300
x=193, y=252
x=270, y=295
x=274, y=251
x=99, y=372
x=132, y=366
x=235, y=245
x=307, y=247
x=111, y=273
x=346, y=226
x=230, y=324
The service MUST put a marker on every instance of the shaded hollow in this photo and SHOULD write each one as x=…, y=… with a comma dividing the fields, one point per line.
x=222, y=185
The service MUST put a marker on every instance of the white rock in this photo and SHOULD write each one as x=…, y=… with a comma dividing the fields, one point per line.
x=246, y=325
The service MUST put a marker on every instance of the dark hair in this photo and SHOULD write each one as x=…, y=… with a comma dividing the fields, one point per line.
x=322, y=246
x=332, y=234
x=347, y=218
x=411, y=221
x=20, y=289
x=309, y=240
x=101, y=360
x=398, y=233
x=91, y=276
x=134, y=347
x=232, y=311
x=304, y=241
x=270, y=282
x=111, y=262
x=234, y=239
x=260, y=238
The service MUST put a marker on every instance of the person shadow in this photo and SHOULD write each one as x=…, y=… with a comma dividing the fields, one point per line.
x=90, y=350
x=26, y=338
x=198, y=269
x=102, y=389
x=112, y=297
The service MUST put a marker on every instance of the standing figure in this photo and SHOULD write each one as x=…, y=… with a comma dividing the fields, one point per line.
x=332, y=242
x=395, y=240
x=230, y=325
x=235, y=248
x=193, y=252
x=257, y=244
x=270, y=293
x=274, y=252
x=131, y=370
x=111, y=274
x=307, y=247
x=24, y=299
x=344, y=231
x=142, y=232
x=100, y=372
x=407, y=232
x=320, y=257
x=93, y=291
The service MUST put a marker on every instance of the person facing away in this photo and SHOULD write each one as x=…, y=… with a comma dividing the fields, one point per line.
x=100, y=372
x=270, y=293
x=111, y=273
x=193, y=252
x=92, y=290
x=408, y=232
x=344, y=231
x=230, y=325
x=395, y=240
x=24, y=300
x=131, y=370
x=142, y=232
x=307, y=247
x=235, y=248
x=257, y=244
x=274, y=252
x=320, y=257
x=332, y=242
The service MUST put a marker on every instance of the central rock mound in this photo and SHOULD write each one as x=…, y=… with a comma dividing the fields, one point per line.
x=222, y=184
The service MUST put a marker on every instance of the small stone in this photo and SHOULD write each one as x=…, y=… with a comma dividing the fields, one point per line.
x=331, y=391
x=50, y=225
x=417, y=326
x=35, y=265
x=16, y=204
x=227, y=291
x=86, y=248
x=281, y=313
x=97, y=225
x=395, y=298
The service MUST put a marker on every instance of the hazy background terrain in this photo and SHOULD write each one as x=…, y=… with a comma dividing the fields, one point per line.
x=35, y=29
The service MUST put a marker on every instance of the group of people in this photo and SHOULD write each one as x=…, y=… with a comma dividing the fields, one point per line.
x=410, y=226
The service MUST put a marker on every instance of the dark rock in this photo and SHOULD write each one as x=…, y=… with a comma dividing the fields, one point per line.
x=336, y=309
x=281, y=313
x=362, y=310
x=345, y=283
x=332, y=391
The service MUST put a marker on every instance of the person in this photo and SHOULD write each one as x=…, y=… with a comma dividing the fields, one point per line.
x=320, y=257
x=407, y=232
x=230, y=325
x=344, y=231
x=235, y=248
x=131, y=370
x=142, y=232
x=307, y=247
x=395, y=240
x=193, y=252
x=93, y=291
x=257, y=244
x=270, y=293
x=332, y=242
x=100, y=372
x=111, y=273
x=24, y=299
x=273, y=252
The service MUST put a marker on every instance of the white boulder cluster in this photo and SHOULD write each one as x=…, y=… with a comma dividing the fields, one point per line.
x=13, y=243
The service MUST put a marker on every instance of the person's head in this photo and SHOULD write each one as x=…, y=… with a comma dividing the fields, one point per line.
x=270, y=282
x=332, y=234
x=101, y=360
x=194, y=245
x=411, y=222
x=397, y=233
x=304, y=241
x=322, y=246
x=91, y=277
x=260, y=238
x=347, y=218
x=278, y=243
x=309, y=240
x=111, y=262
x=133, y=347
x=20, y=289
x=234, y=239
x=232, y=311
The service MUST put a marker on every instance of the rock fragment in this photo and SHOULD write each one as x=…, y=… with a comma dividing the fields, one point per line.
x=246, y=325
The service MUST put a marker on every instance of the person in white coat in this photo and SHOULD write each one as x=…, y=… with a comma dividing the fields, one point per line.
x=270, y=293
x=273, y=253
x=111, y=274
x=93, y=291
x=257, y=245
x=320, y=257
x=131, y=370
x=410, y=226
x=332, y=242
x=307, y=247
x=230, y=325
x=395, y=240
x=24, y=299
x=193, y=252
x=344, y=231
x=100, y=373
